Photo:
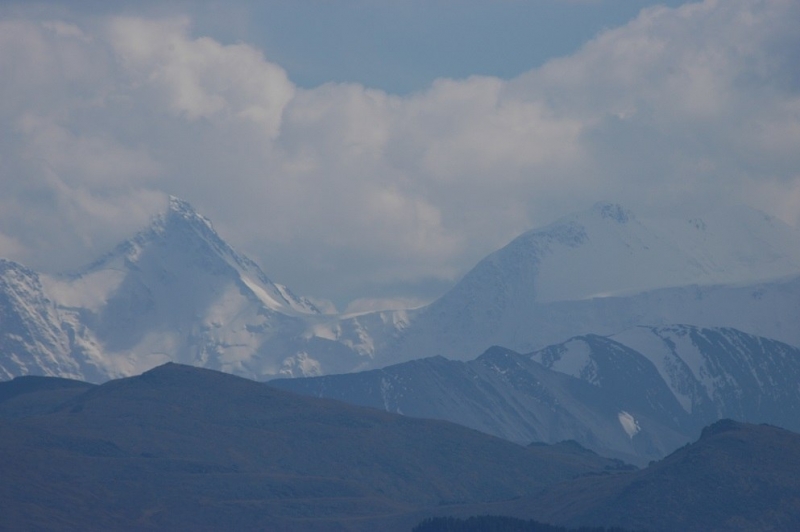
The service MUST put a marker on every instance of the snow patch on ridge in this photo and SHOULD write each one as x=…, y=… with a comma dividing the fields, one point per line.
x=629, y=424
x=262, y=294
x=327, y=331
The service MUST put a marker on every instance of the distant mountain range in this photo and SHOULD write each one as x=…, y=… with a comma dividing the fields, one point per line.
x=183, y=448
x=637, y=395
x=177, y=292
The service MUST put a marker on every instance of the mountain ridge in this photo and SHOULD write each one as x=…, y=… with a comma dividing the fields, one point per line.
x=637, y=395
x=735, y=477
x=180, y=448
x=177, y=291
x=592, y=269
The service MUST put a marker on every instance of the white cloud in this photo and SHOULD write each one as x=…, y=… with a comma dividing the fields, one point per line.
x=66, y=30
x=679, y=109
x=199, y=77
x=98, y=162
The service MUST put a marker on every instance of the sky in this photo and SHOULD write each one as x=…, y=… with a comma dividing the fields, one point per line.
x=370, y=152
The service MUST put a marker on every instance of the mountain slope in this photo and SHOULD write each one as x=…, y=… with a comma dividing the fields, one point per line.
x=737, y=477
x=608, y=251
x=35, y=335
x=604, y=271
x=30, y=395
x=710, y=373
x=186, y=448
x=174, y=292
x=512, y=396
x=637, y=395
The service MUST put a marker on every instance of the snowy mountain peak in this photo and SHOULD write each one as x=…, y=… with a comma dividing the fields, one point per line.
x=181, y=244
x=184, y=210
x=179, y=231
x=182, y=206
x=177, y=291
x=608, y=251
x=181, y=221
x=9, y=267
x=603, y=220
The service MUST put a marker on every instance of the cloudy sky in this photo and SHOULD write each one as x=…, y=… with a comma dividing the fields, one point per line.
x=364, y=149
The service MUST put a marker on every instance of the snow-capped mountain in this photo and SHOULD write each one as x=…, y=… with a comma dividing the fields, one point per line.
x=603, y=271
x=711, y=373
x=637, y=395
x=174, y=292
x=33, y=339
x=181, y=242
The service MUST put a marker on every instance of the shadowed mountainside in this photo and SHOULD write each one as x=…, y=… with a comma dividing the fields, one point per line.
x=736, y=477
x=187, y=448
x=29, y=395
x=637, y=395
x=494, y=523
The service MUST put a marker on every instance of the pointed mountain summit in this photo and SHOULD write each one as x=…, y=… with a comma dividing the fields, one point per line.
x=181, y=244
x=176, y=291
